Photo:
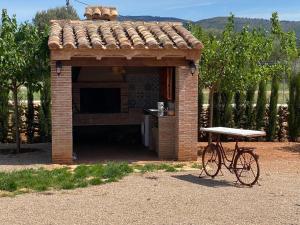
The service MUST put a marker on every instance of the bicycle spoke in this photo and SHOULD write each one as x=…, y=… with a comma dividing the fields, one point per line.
x=252, y=172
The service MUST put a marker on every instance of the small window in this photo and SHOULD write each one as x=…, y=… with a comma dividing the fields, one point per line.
x=100, y=100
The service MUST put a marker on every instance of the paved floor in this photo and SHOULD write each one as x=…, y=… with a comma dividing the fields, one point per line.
x=98, y=152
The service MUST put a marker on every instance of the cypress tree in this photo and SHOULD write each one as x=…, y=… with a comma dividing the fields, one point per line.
x=227, y=110
x=261, y=105
x=271, y=130
x=249, y=107
x=30, y=115
x=239, y=100
x=4, y=111
x=297, y=105
x=294, y=107
x=217, y=109
x=45, y=113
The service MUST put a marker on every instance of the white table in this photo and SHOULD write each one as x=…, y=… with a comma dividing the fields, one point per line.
x=233, y=132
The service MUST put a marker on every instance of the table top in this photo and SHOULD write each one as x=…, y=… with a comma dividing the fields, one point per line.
x=234, y=132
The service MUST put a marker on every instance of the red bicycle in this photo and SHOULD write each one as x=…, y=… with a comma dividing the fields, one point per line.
x=243, y=163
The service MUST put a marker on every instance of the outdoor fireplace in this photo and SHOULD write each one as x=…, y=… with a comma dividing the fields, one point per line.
x=100, y=100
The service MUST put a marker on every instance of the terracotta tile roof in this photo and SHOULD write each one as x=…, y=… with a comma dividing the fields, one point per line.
x=101, y=13
x=120, y=35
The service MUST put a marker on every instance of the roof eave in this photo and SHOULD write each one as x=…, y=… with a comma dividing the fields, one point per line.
x=129, y=54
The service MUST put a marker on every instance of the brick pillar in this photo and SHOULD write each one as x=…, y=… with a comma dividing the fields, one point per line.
x=186, y=102
x=62, y=125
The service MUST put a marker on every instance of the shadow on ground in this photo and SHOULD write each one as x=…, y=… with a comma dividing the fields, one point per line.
x=204, y=181
x=294, y=148
x=31, y=154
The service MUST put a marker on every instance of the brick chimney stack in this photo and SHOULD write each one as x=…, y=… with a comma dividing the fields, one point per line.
x=101, y=13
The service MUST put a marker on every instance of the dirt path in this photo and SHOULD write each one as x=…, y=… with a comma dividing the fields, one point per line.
x=173, y=198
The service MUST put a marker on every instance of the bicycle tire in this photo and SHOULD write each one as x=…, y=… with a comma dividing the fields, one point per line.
x=212, y=150
x=246, y=166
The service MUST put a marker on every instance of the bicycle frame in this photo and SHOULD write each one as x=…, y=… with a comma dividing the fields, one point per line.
x=224, y=158
x=243, y=162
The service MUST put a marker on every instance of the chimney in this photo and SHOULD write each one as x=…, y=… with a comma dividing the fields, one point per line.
x=101, y=13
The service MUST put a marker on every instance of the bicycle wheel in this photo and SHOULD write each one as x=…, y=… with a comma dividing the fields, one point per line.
x=211, y=160
x=246, y=168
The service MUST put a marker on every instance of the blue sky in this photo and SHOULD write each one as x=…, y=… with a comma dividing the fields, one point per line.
x=186, y=9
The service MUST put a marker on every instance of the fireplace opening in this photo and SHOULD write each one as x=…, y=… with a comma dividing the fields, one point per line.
x=100, y=100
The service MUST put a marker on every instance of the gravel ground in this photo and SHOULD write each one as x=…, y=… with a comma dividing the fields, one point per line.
x=172, y=198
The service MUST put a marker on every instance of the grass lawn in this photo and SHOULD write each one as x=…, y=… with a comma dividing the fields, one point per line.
x=37, y=180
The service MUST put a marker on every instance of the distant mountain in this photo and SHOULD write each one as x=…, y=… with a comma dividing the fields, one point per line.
x=218, y=23
x=151, y=18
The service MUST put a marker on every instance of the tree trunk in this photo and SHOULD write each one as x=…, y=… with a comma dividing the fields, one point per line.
x=211, y=112
x=17, y=124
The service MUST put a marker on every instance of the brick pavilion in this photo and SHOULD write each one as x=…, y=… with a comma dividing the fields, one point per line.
x=107, y=74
